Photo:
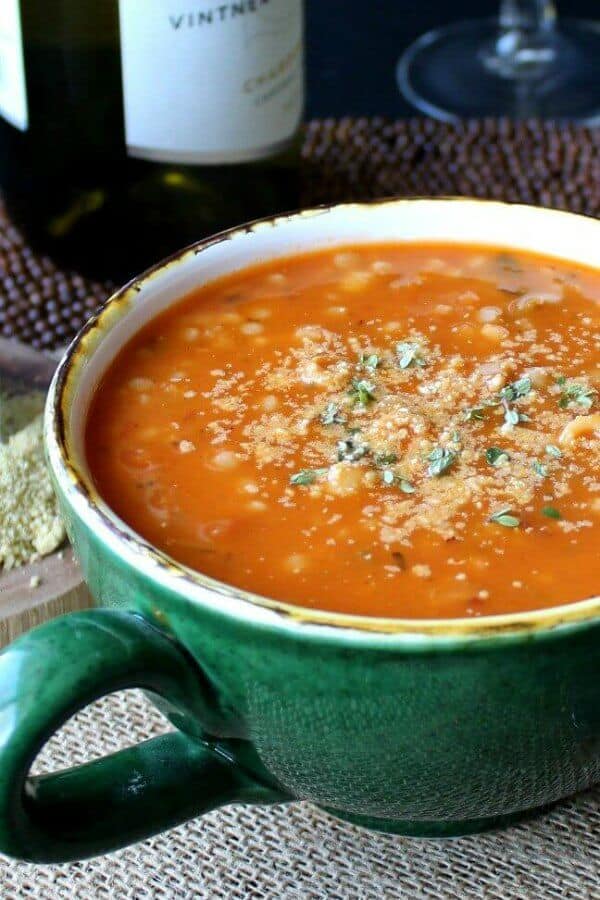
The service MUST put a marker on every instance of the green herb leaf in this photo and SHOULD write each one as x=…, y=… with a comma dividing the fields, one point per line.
x=512, y=417
x=369, y=361
x=508, y=395
x=332, y=415
x=475, y=413
x=385, y=459
x=540, y=469
x=575, y=393
x=440, y=461
x=362, y=392
x=496, y=457
x=551, y=450
x=307, y=476
x=409, y=354
x=516, y=390
x=551, y=512
x=504, y=517
x=350, y=451
x=391, y=478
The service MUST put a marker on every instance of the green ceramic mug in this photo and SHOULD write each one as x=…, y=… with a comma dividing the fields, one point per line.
x=414, y=727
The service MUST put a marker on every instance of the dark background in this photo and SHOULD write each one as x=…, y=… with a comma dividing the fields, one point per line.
x=353, y=47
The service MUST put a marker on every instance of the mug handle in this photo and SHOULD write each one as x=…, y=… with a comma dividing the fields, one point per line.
x=57, y=669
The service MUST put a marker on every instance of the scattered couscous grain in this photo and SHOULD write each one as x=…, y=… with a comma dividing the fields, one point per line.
x=30, y=524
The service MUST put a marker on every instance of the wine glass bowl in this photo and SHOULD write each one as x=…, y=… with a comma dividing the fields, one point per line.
x=525, y=63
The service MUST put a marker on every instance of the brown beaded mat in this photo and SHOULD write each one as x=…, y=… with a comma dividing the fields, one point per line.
x=351, y=159
x=297, y=852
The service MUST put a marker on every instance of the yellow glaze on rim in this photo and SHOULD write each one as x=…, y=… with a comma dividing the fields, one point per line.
x=105, y=522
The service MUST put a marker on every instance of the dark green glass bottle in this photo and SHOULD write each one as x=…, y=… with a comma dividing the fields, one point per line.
x=129, y=128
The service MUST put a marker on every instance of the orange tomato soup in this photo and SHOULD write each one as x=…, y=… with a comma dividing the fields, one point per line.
x=388, y=430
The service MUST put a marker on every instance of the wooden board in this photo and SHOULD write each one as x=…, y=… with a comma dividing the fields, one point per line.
x=60, y=590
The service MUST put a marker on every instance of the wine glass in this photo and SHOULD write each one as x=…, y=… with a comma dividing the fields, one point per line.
x=526, y=63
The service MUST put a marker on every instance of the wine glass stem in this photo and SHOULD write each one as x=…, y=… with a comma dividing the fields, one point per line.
x=532, y=16
x=525, y=46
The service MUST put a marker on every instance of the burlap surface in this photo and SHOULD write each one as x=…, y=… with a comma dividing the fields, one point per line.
x=297, y=851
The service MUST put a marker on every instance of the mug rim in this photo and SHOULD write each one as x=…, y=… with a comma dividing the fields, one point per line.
x=194, y=586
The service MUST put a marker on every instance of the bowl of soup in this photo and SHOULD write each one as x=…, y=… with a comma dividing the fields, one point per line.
x=333, y=482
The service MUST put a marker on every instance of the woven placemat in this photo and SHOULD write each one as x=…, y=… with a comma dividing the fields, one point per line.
x=351, y=159
x=297, y=851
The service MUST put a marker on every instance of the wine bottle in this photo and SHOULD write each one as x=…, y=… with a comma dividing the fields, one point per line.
x=130, y=128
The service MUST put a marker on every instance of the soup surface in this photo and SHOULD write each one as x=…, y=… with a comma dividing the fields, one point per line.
x=392, y=430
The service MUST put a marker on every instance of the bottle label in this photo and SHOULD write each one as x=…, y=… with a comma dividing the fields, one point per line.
x=13, y=91
x=211, y=82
